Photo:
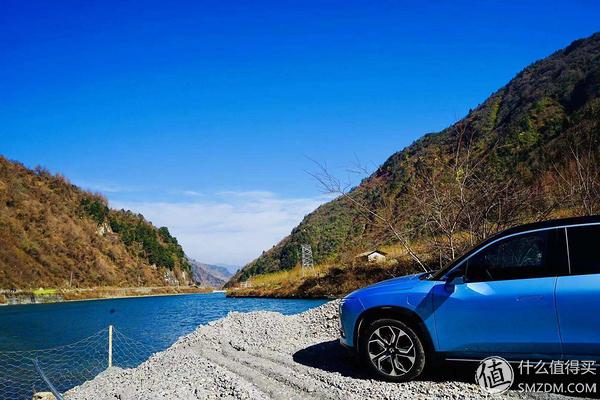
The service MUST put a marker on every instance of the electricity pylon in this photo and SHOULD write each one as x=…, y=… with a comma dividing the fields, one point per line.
x=307, y=257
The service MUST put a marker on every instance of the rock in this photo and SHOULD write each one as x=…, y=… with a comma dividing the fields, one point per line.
x=43, y=396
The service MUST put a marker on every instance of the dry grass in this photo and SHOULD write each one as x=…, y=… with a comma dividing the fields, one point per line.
x=330, y=279
x=322, y=281
x=288, y=277
x=44, y=292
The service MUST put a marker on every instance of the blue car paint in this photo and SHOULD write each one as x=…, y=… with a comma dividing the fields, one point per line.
x=578, y=309
x=509, y=318
x=516, y=319
x=408, y=292
x=351, y=309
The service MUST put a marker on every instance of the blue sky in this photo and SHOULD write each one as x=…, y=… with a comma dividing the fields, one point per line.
x=201, y=114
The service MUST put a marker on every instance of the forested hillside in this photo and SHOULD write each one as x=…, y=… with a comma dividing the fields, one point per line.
x=53, y=234
x=529, y=152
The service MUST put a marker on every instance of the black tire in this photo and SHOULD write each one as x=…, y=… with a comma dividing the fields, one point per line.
x=402, y=357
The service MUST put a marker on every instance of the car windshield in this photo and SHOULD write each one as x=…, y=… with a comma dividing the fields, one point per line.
x=439, y=274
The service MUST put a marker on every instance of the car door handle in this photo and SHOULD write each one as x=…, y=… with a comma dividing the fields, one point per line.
x=531, y=297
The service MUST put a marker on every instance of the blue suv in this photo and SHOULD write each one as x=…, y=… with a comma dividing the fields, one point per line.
x=530, y=292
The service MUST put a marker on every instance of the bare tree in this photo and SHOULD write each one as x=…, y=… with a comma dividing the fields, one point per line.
x=330, y=184
x=459, y=200
x=442, y=195
x=578, y=180
x=458, y=196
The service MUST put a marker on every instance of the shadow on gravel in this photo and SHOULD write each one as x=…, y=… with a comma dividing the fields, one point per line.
x=332, y=357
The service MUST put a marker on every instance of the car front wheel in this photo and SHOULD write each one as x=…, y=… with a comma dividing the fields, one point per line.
x=392, y=350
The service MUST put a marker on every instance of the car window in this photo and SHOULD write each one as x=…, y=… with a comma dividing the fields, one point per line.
x=517, y=257
x=583, y=249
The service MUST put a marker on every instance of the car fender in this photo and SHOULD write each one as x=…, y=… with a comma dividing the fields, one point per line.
x=414, y=307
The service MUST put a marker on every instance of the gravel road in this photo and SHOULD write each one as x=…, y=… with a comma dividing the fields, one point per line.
x=266, y=355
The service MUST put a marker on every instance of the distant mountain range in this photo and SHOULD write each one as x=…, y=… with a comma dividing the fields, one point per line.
x=521, y=141
x=229, y=267
x=208, y=274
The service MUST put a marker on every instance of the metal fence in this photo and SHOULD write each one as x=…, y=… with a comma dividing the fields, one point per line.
x=24, y=373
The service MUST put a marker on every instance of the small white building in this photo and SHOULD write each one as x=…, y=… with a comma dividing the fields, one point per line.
x=372, y=256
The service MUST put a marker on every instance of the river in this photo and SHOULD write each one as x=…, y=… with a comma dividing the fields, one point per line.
x=156, y=322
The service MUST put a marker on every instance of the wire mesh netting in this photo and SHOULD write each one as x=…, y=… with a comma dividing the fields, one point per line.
x=67, y=366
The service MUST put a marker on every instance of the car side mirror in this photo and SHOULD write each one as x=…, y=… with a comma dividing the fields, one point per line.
x=458, y=280
x=453, y=280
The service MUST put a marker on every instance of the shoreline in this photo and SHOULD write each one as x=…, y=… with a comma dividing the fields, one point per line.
x=283, y=297
x=29, y=298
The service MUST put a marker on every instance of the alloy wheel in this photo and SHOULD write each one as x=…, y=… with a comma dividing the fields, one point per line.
x=391, y=351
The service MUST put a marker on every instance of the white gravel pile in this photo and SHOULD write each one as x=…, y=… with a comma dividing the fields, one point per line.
x=261, y=355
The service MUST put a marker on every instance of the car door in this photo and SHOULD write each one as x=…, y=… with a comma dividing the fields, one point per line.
x=578, y=294
x=506, y=304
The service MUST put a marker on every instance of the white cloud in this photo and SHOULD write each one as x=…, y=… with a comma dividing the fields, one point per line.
x=192, y=193
x=103, y=187
x=233, y=228
x=247, y=194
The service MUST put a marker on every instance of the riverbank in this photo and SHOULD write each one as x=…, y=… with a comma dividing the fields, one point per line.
x=43, y=296
x=266, y=355
x=321, y=281
x=251, y=294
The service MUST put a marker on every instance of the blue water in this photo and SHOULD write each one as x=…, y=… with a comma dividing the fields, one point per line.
x=77, y=336
x=157, y=321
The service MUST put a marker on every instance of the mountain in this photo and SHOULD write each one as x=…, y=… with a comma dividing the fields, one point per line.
x=209, y=275
x=231, y=269
x=54, y=234
x=220, y=270
x=529, y=151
